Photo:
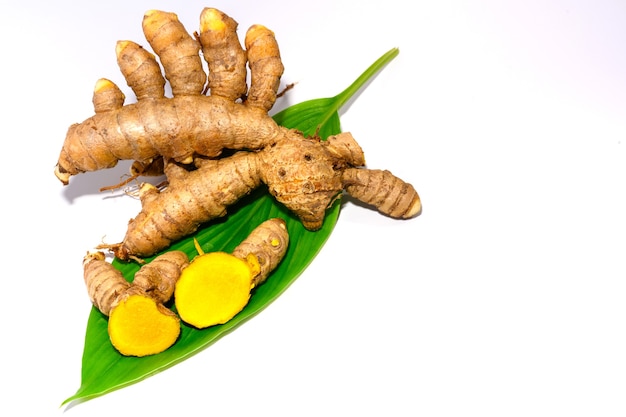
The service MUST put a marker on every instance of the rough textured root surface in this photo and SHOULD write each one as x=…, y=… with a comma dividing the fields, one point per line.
x=177, y=128
x=140, y=69
x=152, y=168
x=383, y=190
x=158, y=278
x=104, y=283
x=140, y=326
x=305, y=175
x=224, y=55
x=213, y=289
x=345, y=148
x=191, y=199
x=266, y=67
x=179, y=52
x=107, y=96
x=268, y=244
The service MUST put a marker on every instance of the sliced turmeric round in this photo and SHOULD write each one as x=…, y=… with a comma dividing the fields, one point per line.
x=213, y=289
x=139, y=326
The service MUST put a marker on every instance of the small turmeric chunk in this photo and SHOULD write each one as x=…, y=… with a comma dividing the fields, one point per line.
x=139, y=326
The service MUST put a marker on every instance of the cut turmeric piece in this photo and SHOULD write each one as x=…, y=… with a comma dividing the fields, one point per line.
x=212, y=289
x=139, y=323
x=139, y=326
x=217, y=285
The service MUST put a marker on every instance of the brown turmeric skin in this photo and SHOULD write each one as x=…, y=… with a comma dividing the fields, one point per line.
x=383, y=190
x=190, y=199
x=104, y=283
x=267, y=244
x=158, y=278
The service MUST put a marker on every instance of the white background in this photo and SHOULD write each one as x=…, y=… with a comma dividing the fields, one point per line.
x=506, y=297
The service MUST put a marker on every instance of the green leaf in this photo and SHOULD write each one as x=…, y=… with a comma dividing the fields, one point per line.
x=105, y=370
x=322, y=115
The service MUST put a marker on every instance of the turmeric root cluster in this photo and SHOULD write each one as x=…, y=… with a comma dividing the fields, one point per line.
x=215, y=142
x=190, y=130
x=210, y=290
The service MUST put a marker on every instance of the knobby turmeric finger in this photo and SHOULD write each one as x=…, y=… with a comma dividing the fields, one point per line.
x=107, y=96
x=178, y=50
x=140, y=69
x=267, y=245
x=104, y=282
x=266, y=67
x=224, y=55
x=383, y=190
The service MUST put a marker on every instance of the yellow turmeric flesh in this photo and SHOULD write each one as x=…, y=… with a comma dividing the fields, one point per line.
x=212, y=289
x=139, y=324
x=217, y=285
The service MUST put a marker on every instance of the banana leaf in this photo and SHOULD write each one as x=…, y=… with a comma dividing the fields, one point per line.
x=105, y=370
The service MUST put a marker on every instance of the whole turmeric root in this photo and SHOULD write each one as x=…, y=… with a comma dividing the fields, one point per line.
x=189, y=123
x=217, y=285
x=304, y=174
x=139, y=323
